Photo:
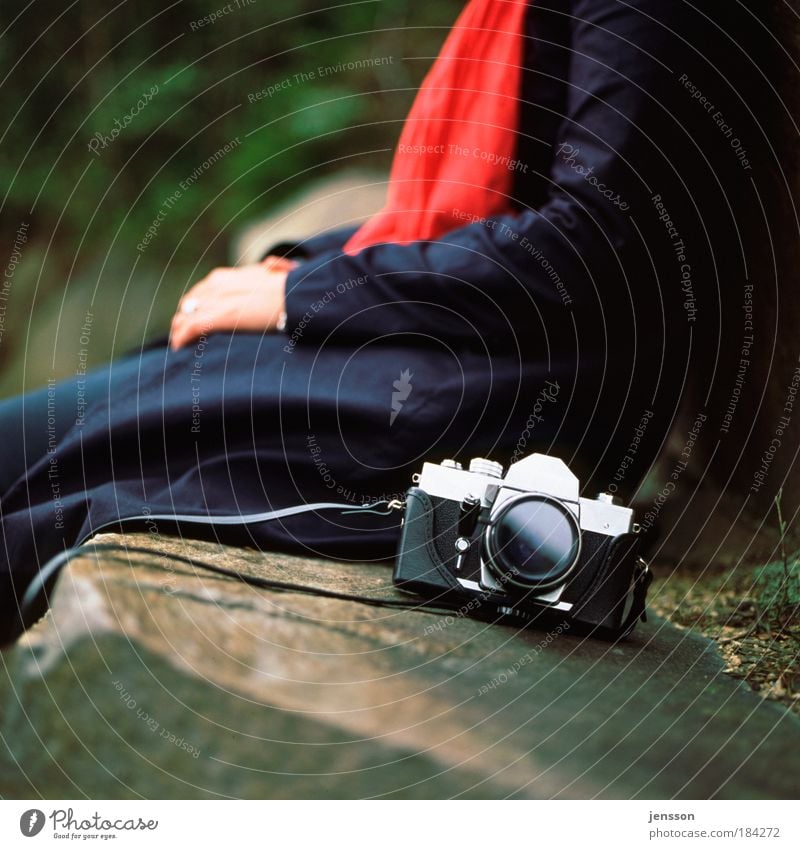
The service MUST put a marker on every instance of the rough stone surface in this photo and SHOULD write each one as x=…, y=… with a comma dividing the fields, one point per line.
x=153, y=677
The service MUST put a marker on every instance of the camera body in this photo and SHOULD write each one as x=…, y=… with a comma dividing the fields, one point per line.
x=522, y=545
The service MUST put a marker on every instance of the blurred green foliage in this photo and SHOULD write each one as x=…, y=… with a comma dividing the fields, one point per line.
x=74, y=73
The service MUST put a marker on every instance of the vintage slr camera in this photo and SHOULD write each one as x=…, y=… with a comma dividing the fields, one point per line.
x=525, y=545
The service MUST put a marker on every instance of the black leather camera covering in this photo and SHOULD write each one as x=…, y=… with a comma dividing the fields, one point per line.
x=418, y=567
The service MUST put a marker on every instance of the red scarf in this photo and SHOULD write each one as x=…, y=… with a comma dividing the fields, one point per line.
x=454, y=161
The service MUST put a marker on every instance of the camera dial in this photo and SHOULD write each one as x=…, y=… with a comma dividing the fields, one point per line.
x=482, y=466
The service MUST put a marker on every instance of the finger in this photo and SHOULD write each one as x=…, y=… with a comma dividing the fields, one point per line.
x=176, y=336
x=180, y=318
x=272, y=262
x=174, y=329
x=193, y=326
x=183, y=331
x=194, y=293
x=182, y=338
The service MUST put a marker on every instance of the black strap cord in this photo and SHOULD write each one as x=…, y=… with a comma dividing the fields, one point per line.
x=641, y=582
x=382, y=508
x=259, y=581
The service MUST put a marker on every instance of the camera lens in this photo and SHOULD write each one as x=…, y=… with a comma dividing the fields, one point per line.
x=534, y=540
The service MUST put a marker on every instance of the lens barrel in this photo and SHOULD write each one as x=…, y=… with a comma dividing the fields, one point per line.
x=532, y=541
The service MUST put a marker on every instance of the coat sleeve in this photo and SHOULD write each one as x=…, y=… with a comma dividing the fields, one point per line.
x=488, y=280
x=325, y=242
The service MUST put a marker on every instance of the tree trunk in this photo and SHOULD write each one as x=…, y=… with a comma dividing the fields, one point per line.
x=723, y=509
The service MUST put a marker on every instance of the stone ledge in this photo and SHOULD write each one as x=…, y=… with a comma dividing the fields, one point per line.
x=151, y=677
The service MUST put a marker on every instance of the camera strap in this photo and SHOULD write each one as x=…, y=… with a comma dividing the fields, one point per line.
x=53, y=566
x=642, y=579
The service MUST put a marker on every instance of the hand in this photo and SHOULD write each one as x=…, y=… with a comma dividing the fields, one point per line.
x=248, y=298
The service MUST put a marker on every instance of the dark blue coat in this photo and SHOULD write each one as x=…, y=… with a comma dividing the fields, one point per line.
x=407, y=353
